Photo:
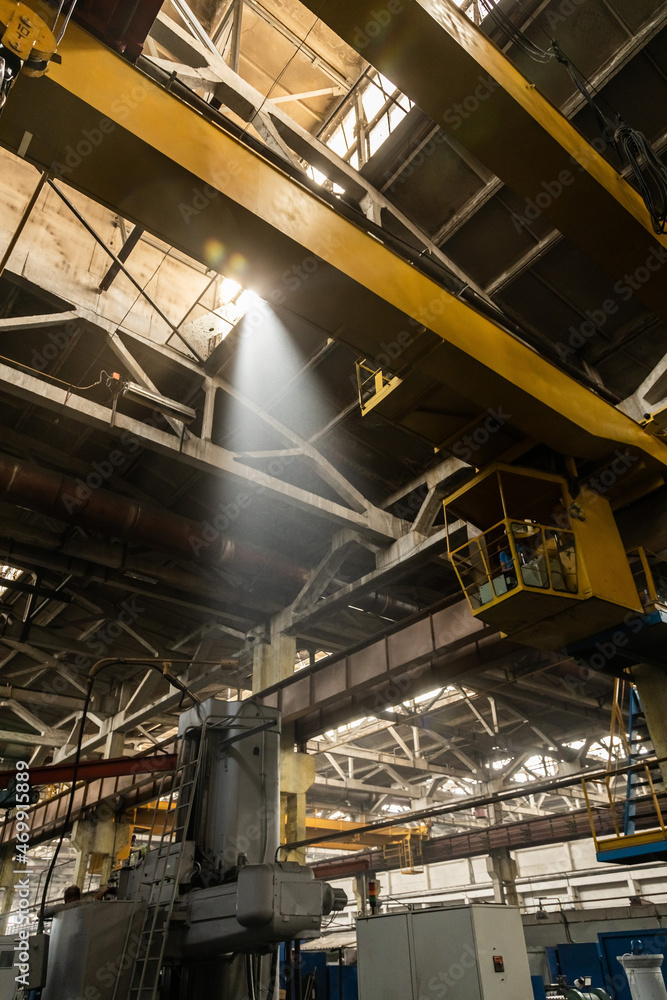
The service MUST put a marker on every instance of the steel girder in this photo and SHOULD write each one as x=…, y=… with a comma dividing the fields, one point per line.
x=117, y=136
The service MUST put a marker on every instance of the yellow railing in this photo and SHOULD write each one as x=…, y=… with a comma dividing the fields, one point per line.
x=516, y=554
x=623, y=779
x=616, y=800
x=406, y=853
x=371, y=381
x=650, y=575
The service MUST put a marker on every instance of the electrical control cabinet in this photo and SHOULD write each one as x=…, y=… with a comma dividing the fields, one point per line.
x=474, y=952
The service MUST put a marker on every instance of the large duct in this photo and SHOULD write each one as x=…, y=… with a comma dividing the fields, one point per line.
x=66, y=499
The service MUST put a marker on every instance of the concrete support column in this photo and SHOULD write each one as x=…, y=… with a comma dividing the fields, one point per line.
x=102, y=837
x=273, y=661
x=115, y=745
x=501, y=866
x=297, y=773
x=82, y=838
x=122, y=836
x=651, y=684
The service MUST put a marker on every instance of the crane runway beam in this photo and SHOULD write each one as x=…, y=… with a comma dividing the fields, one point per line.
x=463, y=81
x=118, y=137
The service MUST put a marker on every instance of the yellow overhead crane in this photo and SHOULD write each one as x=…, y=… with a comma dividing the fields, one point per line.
x=105, y=128
x=544, y=561
x=99, y=124
x=433, y=52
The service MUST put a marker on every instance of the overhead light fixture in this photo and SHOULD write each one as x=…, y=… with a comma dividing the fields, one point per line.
x=136, y=393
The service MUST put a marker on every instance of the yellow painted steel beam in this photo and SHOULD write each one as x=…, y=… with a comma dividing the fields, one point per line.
x=350, y=840
x=120, y=138
x=438, y=57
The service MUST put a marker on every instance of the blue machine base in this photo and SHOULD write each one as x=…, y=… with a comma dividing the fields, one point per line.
x=634, y=855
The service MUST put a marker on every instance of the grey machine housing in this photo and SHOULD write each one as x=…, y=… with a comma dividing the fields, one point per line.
x=224, y=892
x=472, y=952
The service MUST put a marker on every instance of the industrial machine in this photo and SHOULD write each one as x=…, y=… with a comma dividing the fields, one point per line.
x=473, y=952
x=644, y=974
x=7, y=970
x=561, y=991
x=202, y=910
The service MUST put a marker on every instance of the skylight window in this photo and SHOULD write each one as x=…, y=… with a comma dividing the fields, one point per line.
x=368, y=118
x=8, y=573
x=601, y=749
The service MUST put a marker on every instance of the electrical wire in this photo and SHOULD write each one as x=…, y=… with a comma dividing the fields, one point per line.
x=57, y=17
x=63, y=29
x=54, y=378
x=516, y=35
x=483, y=800
x=250, y=978
x=291, y=59
x=649, y=173
x=631, y=146
x=585, y=87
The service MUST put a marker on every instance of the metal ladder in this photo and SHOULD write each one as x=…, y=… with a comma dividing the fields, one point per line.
x=637, y=782
x=145, y=981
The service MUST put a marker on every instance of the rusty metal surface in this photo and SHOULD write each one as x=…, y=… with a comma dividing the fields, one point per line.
x=441, y=647
x=536, y=832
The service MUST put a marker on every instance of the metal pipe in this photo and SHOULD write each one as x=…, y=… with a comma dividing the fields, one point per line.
x=237, y=24
x=55, y=495
x=480, y=800
x=59, y=496
x=297, y=970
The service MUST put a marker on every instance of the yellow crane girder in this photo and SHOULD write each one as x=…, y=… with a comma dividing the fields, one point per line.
x=111, y=132
x=434, y=53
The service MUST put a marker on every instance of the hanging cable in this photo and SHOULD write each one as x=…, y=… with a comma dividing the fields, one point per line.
x=607, y=128
x=649, y=172
x=632, y=147
x=250, y=978
x=63, y=27
x=516, y=35
x=61, y=381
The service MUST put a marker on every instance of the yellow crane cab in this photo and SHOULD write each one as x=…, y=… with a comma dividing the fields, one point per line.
x=545, y=567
